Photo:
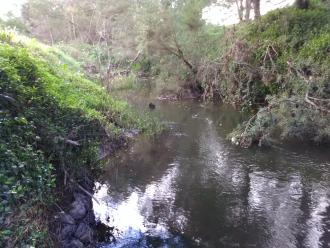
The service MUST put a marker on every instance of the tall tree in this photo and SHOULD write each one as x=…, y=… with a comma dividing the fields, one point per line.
x=244, y=8
x=256, y=7
x=175, y=31
x=43, y=19
x=248, y=4
x=240, y=9
x=302, y=4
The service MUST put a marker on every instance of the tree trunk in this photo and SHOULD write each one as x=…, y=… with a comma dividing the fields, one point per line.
x=247, y=9
x=73, y=27
x=256, y=7
x=302, y=4
x=239, y=6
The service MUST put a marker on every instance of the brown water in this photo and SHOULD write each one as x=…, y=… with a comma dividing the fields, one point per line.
x=190, y=187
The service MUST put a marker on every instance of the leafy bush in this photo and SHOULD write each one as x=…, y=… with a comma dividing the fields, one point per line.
x=298, y=69
x=52, y=120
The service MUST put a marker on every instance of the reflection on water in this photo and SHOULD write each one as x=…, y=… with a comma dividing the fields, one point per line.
x=192, y=188
x=143, y=213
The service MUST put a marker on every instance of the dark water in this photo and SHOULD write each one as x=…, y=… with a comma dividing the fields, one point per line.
x=190, y=187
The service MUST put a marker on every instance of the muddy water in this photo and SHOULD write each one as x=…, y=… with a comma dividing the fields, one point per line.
x=190, y=187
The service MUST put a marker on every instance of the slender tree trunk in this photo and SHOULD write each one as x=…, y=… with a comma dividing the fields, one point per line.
x=51, y=37
x=247, y=9
x=90, y=37
x=50, y=32
x=302, y=4
x=73, y=25
x=177, y=51
x=256, y=7
x=239, y=6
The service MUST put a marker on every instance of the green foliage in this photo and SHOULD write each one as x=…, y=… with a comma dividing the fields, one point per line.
x=300, y=66
x=295, y=33
x=45, y=107
x=13, y=22
x=291, y=118
x=143, y=65
x=246, y=64
x=124, y=83
x=317, y=49
x=290, y=22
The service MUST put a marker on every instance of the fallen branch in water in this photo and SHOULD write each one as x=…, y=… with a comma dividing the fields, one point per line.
x=86, y=192
x=243, y=136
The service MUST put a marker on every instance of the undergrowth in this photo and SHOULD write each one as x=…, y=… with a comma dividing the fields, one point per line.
x=282, y=74
x=52, y=121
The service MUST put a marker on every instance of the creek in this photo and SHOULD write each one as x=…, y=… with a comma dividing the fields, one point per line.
x=190, y=187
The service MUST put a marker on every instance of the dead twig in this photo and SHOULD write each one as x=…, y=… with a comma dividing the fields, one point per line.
x=269, y=54
x=72, y=142
x=308, y=99
x=86, y=192
x=321, y=108
x=319, y=99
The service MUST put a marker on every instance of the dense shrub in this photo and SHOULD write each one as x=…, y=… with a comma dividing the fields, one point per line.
x=298, y=42
x=52, y=120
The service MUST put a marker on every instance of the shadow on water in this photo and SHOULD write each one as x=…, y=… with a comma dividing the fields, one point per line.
x=190, y=187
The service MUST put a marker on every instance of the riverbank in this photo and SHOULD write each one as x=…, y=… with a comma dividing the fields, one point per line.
x=278, y=69
x=53, y=121
x=73, y=221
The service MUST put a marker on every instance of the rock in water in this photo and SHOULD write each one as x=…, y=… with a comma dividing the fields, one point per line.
x=67, y=219
x=78, y=210
x=67, y=232
x=76, y=244
x=84, y=233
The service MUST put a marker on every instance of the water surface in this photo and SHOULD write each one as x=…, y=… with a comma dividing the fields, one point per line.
x=190, y=187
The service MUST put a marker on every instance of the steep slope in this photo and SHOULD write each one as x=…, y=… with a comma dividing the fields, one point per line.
x=52, y=121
